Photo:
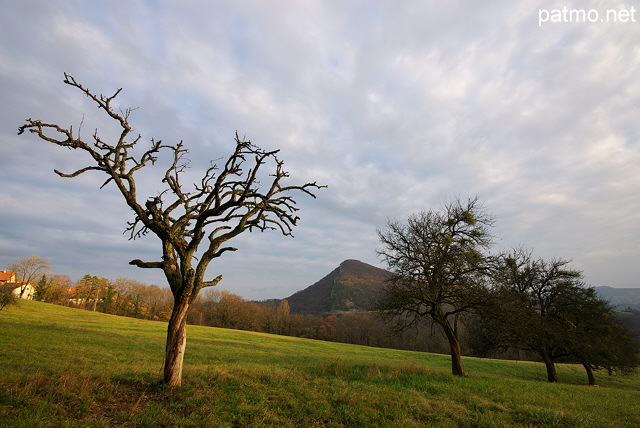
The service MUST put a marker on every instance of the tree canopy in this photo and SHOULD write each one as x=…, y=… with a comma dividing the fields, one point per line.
x=438, y=259
x=29, y=270
x=544, y=306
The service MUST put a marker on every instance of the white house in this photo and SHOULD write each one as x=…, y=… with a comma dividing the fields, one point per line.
x=28, y=292
x=8, y=281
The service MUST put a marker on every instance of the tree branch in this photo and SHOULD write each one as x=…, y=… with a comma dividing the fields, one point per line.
x=213, y=282
x=230, y=199
x=147, y=265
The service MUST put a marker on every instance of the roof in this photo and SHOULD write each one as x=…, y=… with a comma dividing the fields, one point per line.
x=7, y=275
x=10, y=286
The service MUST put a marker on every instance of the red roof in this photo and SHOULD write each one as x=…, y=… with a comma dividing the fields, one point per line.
x=7, y=275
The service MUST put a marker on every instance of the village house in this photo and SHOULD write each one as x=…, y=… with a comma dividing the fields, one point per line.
x=73, y=296
x=7, y=276
x=8, y=282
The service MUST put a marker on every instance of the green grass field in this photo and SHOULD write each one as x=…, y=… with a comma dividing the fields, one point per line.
x=69, y=367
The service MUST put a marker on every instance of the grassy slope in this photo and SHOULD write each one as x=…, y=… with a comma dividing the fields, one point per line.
x=67, y=367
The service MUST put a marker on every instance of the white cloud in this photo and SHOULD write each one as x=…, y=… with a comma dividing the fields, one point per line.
x=396, y=106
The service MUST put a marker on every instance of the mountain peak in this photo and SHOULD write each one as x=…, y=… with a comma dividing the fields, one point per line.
x=350, y=286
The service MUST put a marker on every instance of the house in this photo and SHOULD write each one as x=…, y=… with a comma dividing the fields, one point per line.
x=8, y=282
x=28, y=292
x=72, y=295
x=7, y=276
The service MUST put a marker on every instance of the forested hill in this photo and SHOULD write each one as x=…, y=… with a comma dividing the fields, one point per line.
x=350, y=286
x=621, y=298
x=353, y=284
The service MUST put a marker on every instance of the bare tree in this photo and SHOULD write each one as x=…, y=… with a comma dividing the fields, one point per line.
x=58, y=291
x=29, y=269
x=229, y=199
x=438, y=260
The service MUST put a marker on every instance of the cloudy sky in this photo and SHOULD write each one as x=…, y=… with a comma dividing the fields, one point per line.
x=398, y=106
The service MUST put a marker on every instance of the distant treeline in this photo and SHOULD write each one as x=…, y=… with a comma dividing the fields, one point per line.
x=218, y=308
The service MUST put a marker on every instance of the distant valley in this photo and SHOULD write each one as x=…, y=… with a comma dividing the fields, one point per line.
x=621, y=298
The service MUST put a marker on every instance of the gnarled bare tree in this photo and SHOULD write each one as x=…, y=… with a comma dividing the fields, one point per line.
x=229, y=199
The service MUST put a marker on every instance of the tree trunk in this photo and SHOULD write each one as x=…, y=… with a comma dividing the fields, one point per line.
x=551, y=367
x=592, y=378
x=176, y=342
x=454, y=345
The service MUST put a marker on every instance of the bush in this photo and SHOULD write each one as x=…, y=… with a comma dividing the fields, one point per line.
x=7, y=298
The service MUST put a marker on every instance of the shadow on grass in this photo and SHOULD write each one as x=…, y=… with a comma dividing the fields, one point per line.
x=90, y=398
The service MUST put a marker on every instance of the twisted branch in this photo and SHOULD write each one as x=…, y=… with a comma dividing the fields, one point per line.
x=230, y=199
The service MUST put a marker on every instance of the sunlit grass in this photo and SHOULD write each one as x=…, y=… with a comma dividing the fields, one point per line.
x=70, y=367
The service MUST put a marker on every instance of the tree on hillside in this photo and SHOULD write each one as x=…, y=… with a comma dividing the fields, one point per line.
x=58, y=289
x=221, y=308
x=544, y=306
x=6, y=296
x=29, y=270
x=42, y=289
x=47, y=289
x=438, y=260
x=598, y=339
x=94, y=288
x=526, y=308
x=90, y=290
x=109, y=297
x=231, y=198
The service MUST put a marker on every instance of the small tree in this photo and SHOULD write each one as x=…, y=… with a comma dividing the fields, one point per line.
x=438, y=262
x=6, y=297
x=228, y=200
x=523, y=311
x=88, y=290
x=28, y=269
x=595, y=336
x=42, y=288
x=110, y=294
x=58, y=289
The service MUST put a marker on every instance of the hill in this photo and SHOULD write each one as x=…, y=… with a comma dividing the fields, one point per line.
x=621, y=298
x=353, y=284
x=71, y=367
x=350, y=286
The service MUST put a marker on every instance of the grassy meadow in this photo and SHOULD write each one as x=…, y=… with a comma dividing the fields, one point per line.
x=69, y=367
